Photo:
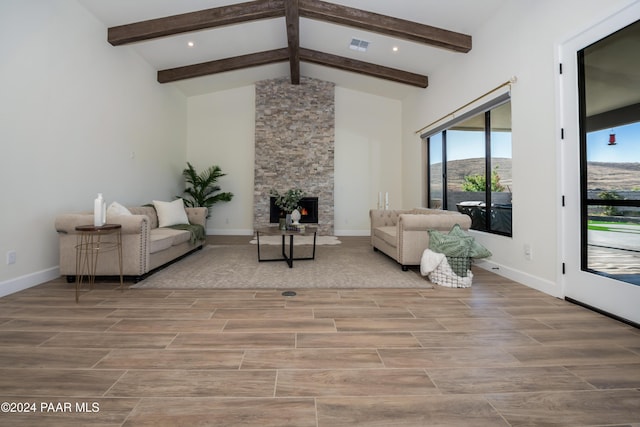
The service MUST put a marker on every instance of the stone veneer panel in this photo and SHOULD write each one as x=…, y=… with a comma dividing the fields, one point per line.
x=294, y=144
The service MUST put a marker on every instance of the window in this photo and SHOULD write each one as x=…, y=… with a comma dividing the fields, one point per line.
x=469, y=166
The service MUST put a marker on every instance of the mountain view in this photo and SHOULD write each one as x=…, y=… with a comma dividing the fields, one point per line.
x=458, y=169
x=614, y=176
x=602, y=175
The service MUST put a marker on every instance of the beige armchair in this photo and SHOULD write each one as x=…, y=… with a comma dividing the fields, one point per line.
x=404, y=234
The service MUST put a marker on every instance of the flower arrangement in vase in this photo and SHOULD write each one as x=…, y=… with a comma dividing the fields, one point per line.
x=288, y=202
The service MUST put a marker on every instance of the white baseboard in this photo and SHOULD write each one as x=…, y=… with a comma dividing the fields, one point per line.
x=542, y=285
x=28, y=281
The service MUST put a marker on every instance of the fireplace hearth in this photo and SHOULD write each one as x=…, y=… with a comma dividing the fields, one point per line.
x=308, y=210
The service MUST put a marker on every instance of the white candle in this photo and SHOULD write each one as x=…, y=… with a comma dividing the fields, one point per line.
x=386, y=200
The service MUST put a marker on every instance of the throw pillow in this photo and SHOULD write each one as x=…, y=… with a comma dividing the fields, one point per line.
x=170, y=213
x=476, y=250
x=449, y=245
x=455, y=248
x=116, y=209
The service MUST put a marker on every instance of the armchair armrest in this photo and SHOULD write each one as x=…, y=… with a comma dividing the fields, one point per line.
x=197, y=215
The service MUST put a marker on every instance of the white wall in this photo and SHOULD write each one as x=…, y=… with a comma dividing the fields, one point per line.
x=521, y=40
x=368, y=158
x=221, y=131
x=77, y=117
x=367, y=155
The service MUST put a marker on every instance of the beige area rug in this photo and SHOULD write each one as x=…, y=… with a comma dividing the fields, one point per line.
x=237, y=266
x=297, y=240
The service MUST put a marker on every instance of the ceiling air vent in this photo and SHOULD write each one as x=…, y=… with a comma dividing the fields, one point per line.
x=359, y=45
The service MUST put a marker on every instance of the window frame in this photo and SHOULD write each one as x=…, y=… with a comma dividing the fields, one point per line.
x=484, y=109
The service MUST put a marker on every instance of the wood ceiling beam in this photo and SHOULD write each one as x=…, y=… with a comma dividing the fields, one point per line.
x=292, y=17
x=222, y=65
x=281, y=55
x=386, y=25
x=193, y=21
x=361, y=67
x=292, y=10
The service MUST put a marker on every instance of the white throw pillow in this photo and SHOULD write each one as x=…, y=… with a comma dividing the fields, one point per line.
x=116, y=209
x=171, y=213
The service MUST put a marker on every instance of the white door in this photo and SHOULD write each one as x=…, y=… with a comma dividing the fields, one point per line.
x=599, y=164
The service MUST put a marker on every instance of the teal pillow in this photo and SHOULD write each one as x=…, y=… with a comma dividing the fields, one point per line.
x=449, y=245
x=476, y=250
x=455, y=248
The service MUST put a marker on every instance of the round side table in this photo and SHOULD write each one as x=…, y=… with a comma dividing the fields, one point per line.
x=91, y=242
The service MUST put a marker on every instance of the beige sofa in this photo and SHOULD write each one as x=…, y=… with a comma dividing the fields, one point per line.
x=145, y=246
x=404, y=234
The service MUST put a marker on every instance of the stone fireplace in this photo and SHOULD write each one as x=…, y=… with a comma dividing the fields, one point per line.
x=294, y=145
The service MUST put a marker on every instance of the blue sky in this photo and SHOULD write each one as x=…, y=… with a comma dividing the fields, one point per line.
x=627, y=148
x=470, y=145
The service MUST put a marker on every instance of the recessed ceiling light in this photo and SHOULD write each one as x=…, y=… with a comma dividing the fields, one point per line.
x=395, y=48
x=190, y=44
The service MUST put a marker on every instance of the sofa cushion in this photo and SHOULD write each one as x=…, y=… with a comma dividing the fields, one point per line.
x=164, y=238
x=170, y=213
x=388, y=234
x=179, y=236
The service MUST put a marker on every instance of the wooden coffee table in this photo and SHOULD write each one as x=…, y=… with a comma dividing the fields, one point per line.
x=276, y=231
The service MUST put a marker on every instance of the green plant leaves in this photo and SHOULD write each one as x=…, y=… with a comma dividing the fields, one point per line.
x=201, y=187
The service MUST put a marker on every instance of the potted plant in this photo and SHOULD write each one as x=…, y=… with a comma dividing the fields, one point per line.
x=202, y=186
x=287, y=202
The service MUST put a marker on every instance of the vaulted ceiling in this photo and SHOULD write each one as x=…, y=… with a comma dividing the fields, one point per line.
x=209, y=45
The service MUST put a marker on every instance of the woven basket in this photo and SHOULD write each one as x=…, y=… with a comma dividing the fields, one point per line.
x=461, y=265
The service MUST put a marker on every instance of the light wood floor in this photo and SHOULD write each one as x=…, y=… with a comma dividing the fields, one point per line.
x=498, y=354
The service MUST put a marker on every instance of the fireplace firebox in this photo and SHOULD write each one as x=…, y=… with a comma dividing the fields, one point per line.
x=308, y=210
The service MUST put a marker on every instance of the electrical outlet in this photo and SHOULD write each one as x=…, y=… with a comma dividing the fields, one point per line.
x=528, y=254
x=11, y=257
